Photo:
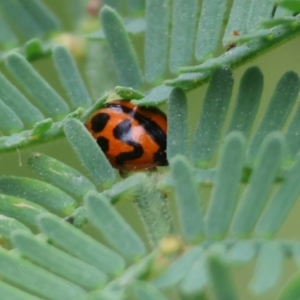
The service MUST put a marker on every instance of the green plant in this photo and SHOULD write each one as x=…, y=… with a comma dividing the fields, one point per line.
x=231, y=182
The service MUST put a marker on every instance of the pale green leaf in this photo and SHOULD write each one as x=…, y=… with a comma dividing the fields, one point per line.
x=220, y=278
x=113, y=227
x=256, y=194
x=57, y=261
x=178, y=269
x=28, y=113
x=279, y=108
x=227, y=183
x=177, y=142
x=213, y=116
x=44, y=95
x=187, y=198
x=183, y=30
x=247, y=102
x=70, y=78
x=38, y=192
x=209, y=28
x=89, y=153
x=122, y=50
x=268, y=268
x=40, y=282
x=59, y=174
x=74, y=241
x=156, y=38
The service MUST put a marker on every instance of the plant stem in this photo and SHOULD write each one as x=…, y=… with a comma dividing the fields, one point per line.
x=154, y=210
x=195, y=76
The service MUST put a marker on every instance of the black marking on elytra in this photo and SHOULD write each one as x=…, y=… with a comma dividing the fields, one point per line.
x=123, y=133
x=103, y=143
x=151, y=127
x=70, y=219
x=99, y=121
x=160, y=157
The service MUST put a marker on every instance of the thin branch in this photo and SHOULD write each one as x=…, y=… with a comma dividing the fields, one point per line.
x=195, y=76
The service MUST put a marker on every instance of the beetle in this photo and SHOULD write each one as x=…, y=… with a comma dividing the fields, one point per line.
x=132, y=137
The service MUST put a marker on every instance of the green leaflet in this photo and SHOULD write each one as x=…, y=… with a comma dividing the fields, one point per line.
x=187, y=198
x=8, y=225
x=261, y=181
x=292, y=133
x=268, y=269
x=128, y=93
x=178, y=269
x=156, y=38
x=117, y=287
x=70, y=77
x=277, y=112
x=44, y=95
x=248, y=99
x=20, y=209
x=283, y=12
x=113, y=227
x=30, y=19
x=35, y=49
x=157, y=95
x=24, y=23
x=122, y=50
x=17, y=102
x=41, y=127
x=89, y=153
x=59, y=174
x=282, y=203
x=177, y=141
x=241, y=252
x=238, y=13
x=227, y=183
x=42, y=15
x=184, y=19
x=57, y=261
x=209, y=28
x=127, y=184
x=41, y=282
x=9, y=121
x=221, y=280
x=9, y=292
x=196, y=279
x=257, y=11
x=38, y=192
x=146, y=291
x=7, y=37
x=213, y=116
x=80, y=245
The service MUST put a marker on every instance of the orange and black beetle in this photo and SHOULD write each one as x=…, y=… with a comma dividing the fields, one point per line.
x=132, y=137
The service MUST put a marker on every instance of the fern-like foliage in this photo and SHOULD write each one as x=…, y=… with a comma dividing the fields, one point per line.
x=232, y=181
